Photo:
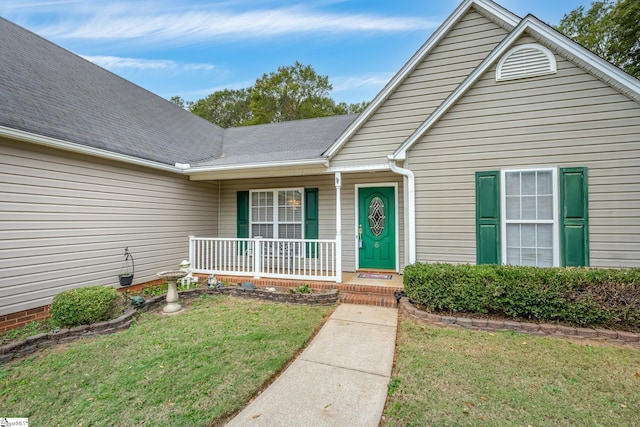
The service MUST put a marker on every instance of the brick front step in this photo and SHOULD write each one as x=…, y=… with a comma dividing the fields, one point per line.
x=379, y=296
x=378, y=299
x=367, y=289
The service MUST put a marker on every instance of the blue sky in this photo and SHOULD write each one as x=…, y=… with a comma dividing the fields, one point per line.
x=192, y=48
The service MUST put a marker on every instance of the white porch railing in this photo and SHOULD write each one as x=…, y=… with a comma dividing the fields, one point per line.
x=275, y=258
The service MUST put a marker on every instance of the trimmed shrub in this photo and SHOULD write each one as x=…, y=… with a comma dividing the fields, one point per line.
x=578, y=296
x=83, y=306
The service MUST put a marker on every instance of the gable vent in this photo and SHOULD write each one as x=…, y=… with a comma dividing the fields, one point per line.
x=527, y=60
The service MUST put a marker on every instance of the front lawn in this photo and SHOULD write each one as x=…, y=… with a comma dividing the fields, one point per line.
x=192, y=369
x=458, y=377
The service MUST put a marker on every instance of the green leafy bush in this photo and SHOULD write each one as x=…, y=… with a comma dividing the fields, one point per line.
x=579, y=296
x=83, y=306
x=302, y=289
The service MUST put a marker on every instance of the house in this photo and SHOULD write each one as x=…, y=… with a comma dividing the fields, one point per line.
x=499, y=141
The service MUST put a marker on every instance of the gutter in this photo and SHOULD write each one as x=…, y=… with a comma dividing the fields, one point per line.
x=47, y=141
x=411, y=205
x=202, y=169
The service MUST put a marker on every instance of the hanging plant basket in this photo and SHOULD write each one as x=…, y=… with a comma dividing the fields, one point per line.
x=125, y=279
x=126, y=272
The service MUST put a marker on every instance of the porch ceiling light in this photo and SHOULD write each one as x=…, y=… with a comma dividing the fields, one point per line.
x=294, y=203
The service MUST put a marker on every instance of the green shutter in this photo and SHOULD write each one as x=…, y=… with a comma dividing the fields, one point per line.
x=488, y=217
x=311, y=219
x=242, y=217
x=574, y=217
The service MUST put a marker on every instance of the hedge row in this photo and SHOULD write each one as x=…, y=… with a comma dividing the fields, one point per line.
x=577, y=296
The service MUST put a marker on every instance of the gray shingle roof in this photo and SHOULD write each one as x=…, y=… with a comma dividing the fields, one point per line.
x=277, y=142
x=49, y=91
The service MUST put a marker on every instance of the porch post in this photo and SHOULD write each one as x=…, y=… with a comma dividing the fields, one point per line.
x=257, y=251
x=192, y=251
x=338, y=228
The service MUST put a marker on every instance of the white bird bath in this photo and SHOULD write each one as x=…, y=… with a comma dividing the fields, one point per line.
x=172, y=277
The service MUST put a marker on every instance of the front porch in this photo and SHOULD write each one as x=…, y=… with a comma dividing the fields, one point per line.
x=289, y=263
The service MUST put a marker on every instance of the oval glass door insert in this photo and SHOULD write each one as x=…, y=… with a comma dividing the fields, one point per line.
x=376, y=216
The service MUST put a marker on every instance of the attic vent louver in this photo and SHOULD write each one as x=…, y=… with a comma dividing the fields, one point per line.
x=527, y=60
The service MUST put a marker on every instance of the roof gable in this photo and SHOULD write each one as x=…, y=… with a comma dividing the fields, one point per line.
x=604, y=70
x=485, y=7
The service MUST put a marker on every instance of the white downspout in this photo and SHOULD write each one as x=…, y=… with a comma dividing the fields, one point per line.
x=338, y=182
x=410, y=181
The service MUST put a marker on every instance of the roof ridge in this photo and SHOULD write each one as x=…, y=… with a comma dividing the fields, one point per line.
x=292, y=121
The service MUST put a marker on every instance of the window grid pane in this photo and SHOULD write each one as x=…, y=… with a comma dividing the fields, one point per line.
x=262, y=230
x=527, y=183
x=290, y=231
x=529, y=218
x=290, y=206
x=529, y=195
x=262, y=206
x=513, y=184
x=283, y=221
x=530, y=244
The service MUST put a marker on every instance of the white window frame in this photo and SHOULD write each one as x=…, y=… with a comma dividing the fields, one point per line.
x=555, y=221
x=276, y=219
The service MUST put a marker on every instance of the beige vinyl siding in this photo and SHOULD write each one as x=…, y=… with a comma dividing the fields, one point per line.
x=443, y=69
x=567, y=119
x=326, y=205
x=65, y=220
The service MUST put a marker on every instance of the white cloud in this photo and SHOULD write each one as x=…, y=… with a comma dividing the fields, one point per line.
x=118, y=63
x=152, y=24
x=372, y=80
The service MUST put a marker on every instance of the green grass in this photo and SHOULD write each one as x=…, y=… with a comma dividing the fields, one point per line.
x=193, y=369
x=458, y=377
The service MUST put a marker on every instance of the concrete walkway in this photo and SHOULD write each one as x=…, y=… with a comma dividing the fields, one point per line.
x=340, y=379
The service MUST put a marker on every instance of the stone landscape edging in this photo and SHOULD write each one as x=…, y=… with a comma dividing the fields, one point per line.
x=406, y=308
x=22, y=348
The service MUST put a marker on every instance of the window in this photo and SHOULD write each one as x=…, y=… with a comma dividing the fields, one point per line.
x=277, y=214
x=533, y=217
x=530, y=217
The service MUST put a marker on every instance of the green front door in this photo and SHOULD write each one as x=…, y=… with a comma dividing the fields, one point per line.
x=377, y=227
